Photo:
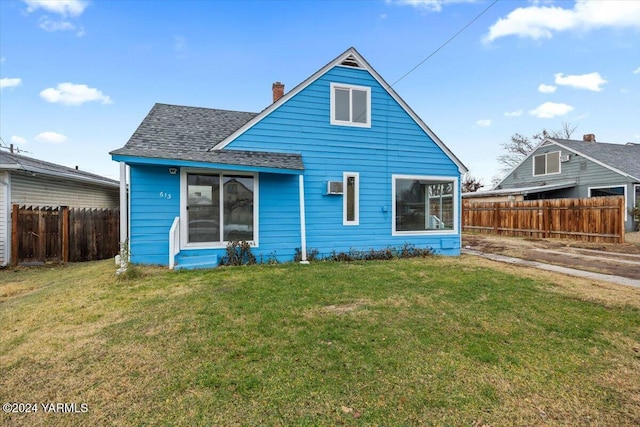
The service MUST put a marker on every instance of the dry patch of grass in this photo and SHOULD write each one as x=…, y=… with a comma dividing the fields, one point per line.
x=598, y=291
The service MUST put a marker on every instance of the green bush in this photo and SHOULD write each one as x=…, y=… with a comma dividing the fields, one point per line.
x=238, y=253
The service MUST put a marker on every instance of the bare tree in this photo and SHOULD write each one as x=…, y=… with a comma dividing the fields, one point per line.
x=519, y=145
x=471, y=184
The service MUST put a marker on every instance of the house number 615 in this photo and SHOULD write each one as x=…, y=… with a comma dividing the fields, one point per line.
x=164, y=195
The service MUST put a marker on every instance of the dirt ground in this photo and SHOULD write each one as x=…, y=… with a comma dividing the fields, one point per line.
x=607, y=258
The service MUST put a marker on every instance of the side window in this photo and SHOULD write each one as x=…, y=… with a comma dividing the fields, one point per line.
x=546, y=164
x=351, y=195
x=424, y=204
x=350, y=105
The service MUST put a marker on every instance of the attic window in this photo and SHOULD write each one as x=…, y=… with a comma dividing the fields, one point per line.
x=350, y=105
x=546, y=164
x=351, y=61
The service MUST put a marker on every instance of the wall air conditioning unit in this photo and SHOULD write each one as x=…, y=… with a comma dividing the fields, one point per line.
x=565, y=158
x=334, y=187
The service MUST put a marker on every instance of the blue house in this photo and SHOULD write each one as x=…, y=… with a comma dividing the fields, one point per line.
x=340, y=162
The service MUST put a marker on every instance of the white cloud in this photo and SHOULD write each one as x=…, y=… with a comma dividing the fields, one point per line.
x=51, y=26
x=61, y=7
x=636, y=71
x=483, y=123
x=546, y=88
x=513, y=113
x=7, y=82
x=549, y=110
x=74, y=94
x=591, y=81
x=429, y=5
x=50, y=137
x=541, y=22
x=18, y=140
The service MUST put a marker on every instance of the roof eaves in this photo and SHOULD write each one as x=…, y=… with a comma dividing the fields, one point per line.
x=264, y=113
x=601, y=163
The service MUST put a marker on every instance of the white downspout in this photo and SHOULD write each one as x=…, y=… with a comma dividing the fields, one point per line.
x=8, y=228
x=303, y=226
x=124, y=226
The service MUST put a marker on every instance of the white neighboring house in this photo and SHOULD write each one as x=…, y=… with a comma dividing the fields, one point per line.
x=32, y=182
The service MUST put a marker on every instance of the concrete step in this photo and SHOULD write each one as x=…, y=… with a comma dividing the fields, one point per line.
x=195, y=262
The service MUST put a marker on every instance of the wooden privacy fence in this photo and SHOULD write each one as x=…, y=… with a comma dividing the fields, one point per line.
x=61, y=234
x=593, y=219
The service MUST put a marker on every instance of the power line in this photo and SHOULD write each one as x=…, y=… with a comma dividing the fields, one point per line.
x=447, y=42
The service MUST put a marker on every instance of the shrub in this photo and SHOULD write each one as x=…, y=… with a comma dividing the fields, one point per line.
x=238, y=253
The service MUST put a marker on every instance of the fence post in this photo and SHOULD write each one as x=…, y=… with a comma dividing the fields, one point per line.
x=14, y=235
x=546, y=219
x=64, y=246
x=496, y=217
x=623, y=215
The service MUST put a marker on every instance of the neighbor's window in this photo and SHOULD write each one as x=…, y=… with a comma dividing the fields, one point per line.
x=611, y=191
x=606, y=191
x=424, y=204
x=208, y=207
x=350, y=105
x=351, y=203
x=546, y=164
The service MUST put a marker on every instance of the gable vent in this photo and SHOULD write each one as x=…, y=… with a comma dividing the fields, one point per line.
x=351, y=61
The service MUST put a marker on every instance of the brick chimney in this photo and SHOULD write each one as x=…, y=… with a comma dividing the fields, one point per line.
x=589, y=137
x=278, y=91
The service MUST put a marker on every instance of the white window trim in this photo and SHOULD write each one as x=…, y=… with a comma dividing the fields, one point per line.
x=435, y=178
x=546, y=163
x=624, y=189
x=356, y=198
x=184, y=224
x=333, y=121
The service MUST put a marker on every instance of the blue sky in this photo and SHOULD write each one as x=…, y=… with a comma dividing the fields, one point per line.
x=78, y=76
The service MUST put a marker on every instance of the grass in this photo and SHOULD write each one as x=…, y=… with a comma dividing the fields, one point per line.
x=437, y=341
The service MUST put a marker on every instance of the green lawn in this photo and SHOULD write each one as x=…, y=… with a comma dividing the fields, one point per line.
x=436, y=341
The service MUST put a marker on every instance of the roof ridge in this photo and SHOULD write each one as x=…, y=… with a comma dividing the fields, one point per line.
x=203, y=108
x=54, y=167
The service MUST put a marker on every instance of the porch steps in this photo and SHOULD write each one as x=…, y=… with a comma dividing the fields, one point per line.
x=195, y=261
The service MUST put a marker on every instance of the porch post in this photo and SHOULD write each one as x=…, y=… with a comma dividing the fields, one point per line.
x=303, y=226
x=124, y=205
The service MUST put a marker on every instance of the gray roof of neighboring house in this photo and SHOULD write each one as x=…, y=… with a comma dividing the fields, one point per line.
x=623, y=157
x=18, y=162
x=187, y=133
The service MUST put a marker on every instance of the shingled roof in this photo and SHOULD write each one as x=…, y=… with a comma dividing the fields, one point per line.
x=623, y=157
x=18, y=162
x=187, y=133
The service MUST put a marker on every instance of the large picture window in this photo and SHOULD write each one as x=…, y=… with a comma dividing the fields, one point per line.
x=350, y=105
x=219, y=208
x=546, y=164
x=424, y=205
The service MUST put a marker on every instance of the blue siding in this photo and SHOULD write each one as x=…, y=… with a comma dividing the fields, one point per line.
x=394, y=144
x=152, y=213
